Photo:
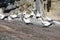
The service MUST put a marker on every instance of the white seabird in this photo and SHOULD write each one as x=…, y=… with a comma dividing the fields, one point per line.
x=39, y=18
x=45, y=23
x=27, y=17
x=2, y=16
x=9, y=18
x=13, y=16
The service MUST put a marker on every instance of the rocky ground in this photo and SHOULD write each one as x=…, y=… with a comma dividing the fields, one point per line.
x=17, y=30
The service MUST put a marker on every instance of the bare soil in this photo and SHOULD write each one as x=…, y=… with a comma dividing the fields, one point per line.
x=19, y=31
x=55, y=10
